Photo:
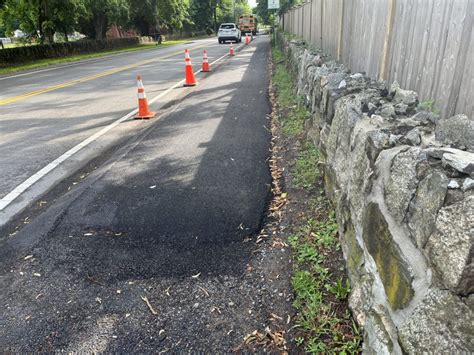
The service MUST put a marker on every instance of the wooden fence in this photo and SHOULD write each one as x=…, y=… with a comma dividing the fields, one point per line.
x=425, y=45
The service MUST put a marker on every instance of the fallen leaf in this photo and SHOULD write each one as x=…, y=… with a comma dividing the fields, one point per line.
x=145, y=299
x=274, y=316
x=204, y=290
x=216, y=309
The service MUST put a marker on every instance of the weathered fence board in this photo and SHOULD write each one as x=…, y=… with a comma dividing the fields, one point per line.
x=425, y=45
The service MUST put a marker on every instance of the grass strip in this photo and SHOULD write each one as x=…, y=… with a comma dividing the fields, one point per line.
x=323, y=322
x=47, y=62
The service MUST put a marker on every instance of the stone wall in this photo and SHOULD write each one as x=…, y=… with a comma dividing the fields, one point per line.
x=401, y=180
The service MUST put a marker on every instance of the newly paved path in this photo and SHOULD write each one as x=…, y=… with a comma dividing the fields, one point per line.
x=162, y=215
x=45, y=113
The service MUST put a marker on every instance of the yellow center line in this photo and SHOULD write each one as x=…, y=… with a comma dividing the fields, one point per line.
x=88, y=78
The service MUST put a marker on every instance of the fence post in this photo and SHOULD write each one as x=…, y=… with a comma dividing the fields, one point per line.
x=321, y=25
x=341, y=31
x=387, y=40
x=302, y=20
x=310, y=20
x=461, y=59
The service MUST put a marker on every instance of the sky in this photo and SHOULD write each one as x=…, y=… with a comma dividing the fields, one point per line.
x=252, y=3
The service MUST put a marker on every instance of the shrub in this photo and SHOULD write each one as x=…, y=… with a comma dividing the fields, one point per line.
x=16, y=55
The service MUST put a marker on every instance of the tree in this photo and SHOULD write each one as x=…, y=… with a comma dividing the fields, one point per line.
x=144, y=15
x=201, y=14
x=174, y=14
x=20, y=14
x=101, y=14
x=41, y=18
x=261, y=10
x=242, y=8
x=65, y=15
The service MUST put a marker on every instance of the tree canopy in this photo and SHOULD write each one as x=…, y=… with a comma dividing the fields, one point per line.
x=265, y=15
x=41, y=19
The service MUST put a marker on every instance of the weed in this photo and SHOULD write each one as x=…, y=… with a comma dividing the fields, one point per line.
x=293, y=120
x=428, y=105
x=306, y=170
x=340, y=290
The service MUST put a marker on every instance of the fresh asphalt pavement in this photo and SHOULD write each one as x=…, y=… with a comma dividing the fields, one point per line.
x=144, y=250
x=44, y=113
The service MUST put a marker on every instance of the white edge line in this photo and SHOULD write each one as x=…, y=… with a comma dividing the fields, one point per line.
x=17, y=191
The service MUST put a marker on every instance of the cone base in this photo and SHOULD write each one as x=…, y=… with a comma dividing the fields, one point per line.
x=147, y=116
x=190, y=84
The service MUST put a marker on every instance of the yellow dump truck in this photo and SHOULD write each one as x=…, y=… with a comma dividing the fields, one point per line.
x=248, y=24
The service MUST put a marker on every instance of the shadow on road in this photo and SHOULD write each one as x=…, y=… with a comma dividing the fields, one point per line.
x=179, y=203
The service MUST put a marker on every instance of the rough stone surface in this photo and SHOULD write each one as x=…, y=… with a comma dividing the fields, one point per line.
x=459, y=160
x=406, y=237
x=458, y=131
x=453, y=184
x=451, y=247
x=429, y=198
x=413, y=137
x=409, y=98
x=468, y=184
x=402, y=182
x=442, y=323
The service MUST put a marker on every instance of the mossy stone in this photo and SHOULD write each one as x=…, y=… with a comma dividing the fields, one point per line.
x=393, y=271
x=354, y=251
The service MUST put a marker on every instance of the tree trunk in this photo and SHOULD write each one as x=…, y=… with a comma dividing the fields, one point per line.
x=99, y=24
x=40, y=21
x=215, y=18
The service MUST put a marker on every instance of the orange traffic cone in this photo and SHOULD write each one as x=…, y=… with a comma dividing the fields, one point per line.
x=246, y=39
x=232, y=53
x=205, y=63
x=190, y=79
x=143, y=111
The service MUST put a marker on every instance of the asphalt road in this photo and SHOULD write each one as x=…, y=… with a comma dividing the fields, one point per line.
x=160, y=216
x=45, y=113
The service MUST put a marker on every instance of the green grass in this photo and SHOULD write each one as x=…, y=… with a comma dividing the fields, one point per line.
x=320, y=328
x=306, y=167
x=428, y=105
x=323, y=323
x=292, y=122
x=46, y=62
